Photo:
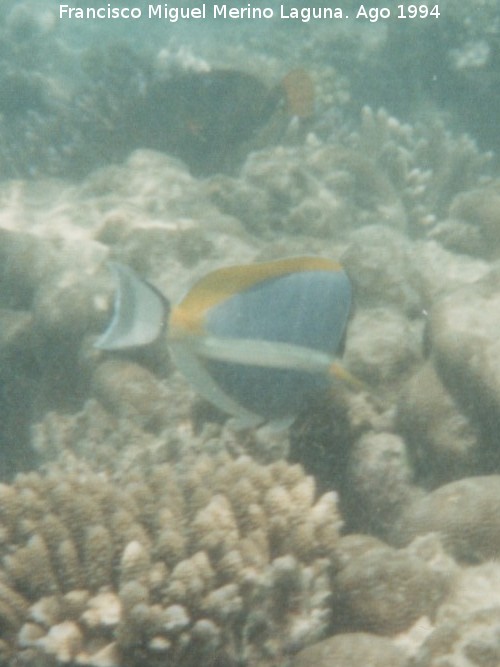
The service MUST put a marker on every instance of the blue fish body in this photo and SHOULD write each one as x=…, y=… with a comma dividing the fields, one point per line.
x=308, y=309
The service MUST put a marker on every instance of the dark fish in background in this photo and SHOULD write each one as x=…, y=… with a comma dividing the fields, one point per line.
x=205, y=118
x=110, y=100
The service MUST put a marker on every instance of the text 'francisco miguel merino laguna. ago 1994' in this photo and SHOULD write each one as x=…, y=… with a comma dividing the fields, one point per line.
x=173, y=13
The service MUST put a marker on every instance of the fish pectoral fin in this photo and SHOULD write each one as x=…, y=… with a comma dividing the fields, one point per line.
x=139, y=313
x=279, y=424
x=265, y=427
x=244, y=423
x=193, y=369
x=268, y=354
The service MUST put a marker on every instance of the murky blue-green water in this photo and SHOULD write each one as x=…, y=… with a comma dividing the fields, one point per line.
x=156, y=507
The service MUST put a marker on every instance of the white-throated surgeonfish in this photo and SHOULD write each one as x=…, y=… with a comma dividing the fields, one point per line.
x=256, y=340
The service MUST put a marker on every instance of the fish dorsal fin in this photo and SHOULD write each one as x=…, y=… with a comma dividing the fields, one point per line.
x=221, y=284
x=140, y=312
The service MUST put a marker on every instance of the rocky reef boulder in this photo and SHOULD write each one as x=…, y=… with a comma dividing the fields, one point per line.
x=464, y=329
x=465, y=513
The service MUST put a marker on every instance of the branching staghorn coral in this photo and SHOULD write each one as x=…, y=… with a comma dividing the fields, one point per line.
x=213, y=561
x=384, y=172
x=424, y=164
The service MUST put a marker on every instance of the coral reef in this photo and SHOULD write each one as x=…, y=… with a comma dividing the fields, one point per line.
x=212, y=561
x=137, y=436
x=377, y=590
x=442, y=442
x=478, y=210
x=470, y=641
x=474, y=588
x=155, y=532
x=353, y=649
x=384, y=172
x=385, y=591
x=378, y=483
x=463, y=327
x=464, y=513
x=421, y=167
x=381, y=262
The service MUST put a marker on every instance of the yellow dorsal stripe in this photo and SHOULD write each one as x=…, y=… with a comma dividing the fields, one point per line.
x=219, y=285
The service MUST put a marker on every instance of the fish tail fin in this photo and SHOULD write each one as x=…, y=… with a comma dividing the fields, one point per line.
x=140, y=312
x=298, y=87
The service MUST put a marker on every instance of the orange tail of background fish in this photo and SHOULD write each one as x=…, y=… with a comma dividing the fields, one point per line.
x=298, y=87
